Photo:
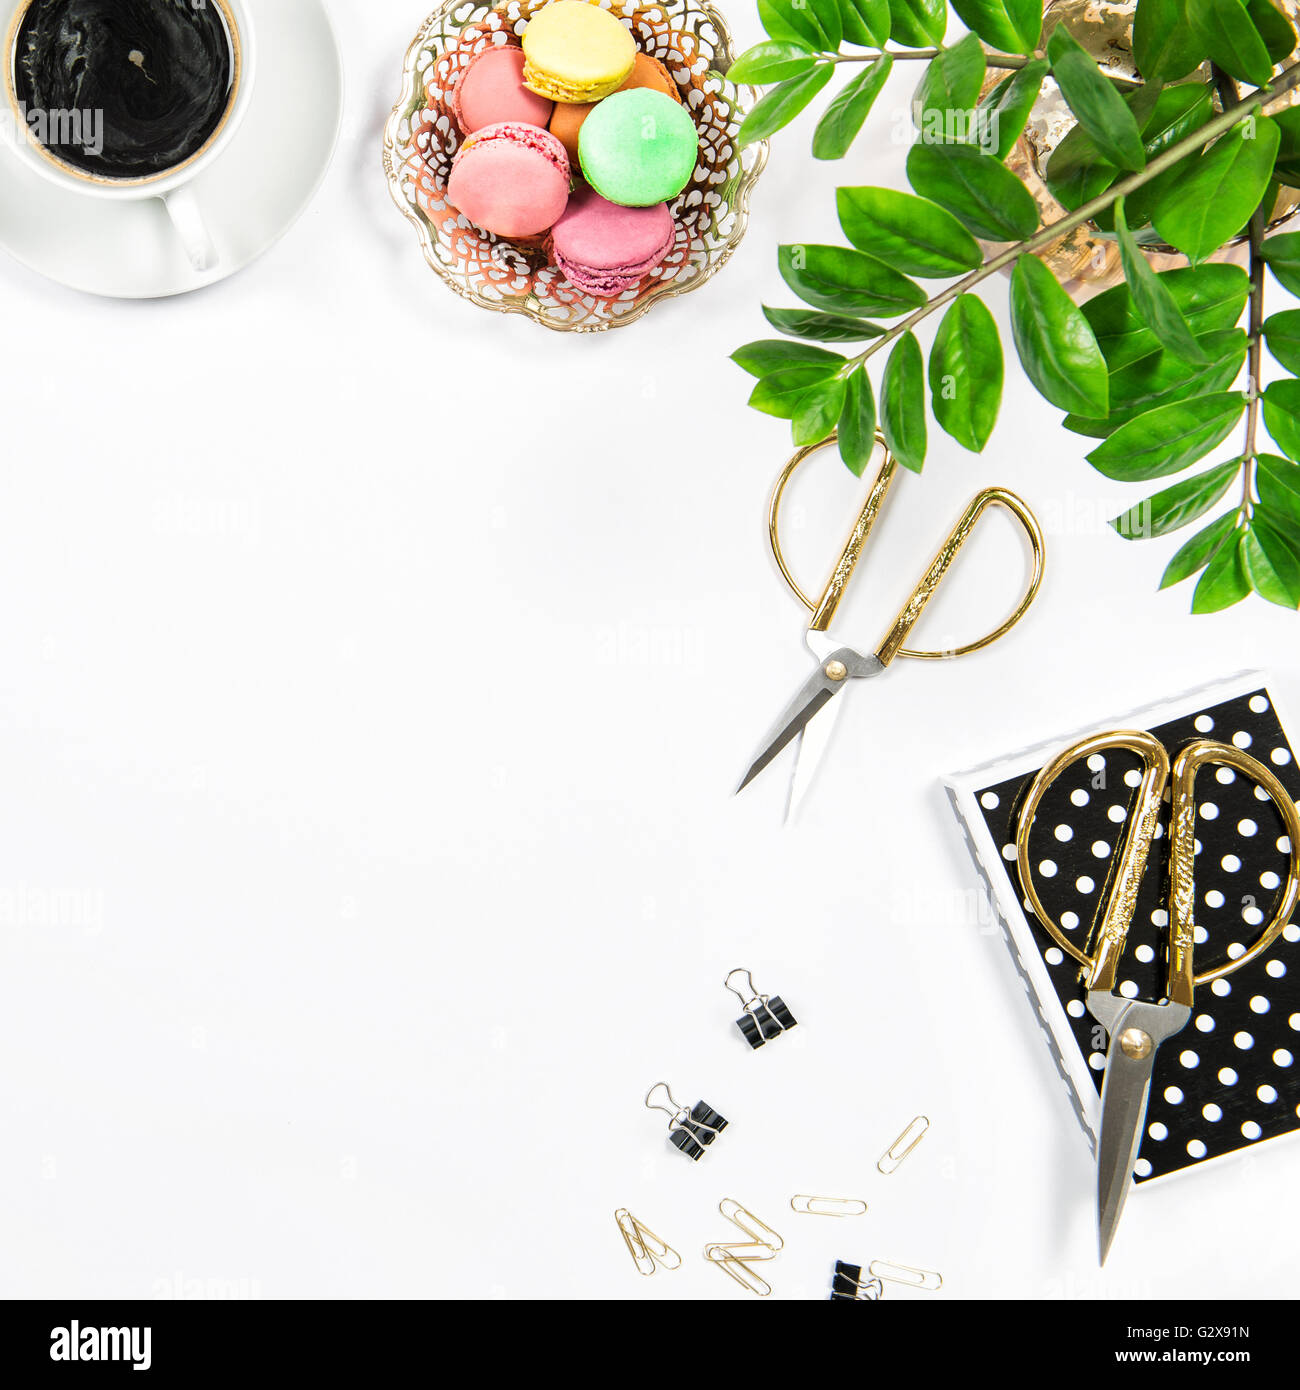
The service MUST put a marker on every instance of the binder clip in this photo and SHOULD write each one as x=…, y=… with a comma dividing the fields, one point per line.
x=736, y=1258
x=848, y=1285
x=691, y=1131
x=764, y=1018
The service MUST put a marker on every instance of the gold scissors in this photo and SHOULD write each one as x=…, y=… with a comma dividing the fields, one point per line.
x=811, y=714
x=1135, y=1027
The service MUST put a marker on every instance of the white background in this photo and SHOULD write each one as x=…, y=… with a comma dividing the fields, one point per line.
x=376, y=672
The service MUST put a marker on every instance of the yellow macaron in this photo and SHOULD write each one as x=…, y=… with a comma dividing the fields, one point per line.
x=575, y=51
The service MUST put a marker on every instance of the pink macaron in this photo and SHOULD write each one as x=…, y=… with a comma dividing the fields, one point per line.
x=605, y=249
x=511, y=179
x=491, y=89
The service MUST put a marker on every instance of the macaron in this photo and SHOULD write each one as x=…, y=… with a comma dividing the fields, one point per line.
x=491, y=89
x=511, y=179
x=567, y=117
x=638, y=148
x=576, y=51
x=605, y=249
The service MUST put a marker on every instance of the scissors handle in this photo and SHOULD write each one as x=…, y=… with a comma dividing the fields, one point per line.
x=1101, y=960
x=907, y=619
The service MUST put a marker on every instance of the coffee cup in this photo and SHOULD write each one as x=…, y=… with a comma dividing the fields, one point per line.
x=129, y=99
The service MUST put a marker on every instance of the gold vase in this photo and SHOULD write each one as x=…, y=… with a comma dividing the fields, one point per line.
x=1086, y=260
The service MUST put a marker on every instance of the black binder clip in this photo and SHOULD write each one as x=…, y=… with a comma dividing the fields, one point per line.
x=848, y=1284
x=691, y=1131
x=764, y=1018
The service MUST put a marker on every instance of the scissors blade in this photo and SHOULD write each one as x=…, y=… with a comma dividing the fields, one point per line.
x=816, y=691
x=1124, y=1095
x=813, y=743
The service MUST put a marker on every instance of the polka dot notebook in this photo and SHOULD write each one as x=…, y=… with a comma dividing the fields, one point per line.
x=1232, y=1077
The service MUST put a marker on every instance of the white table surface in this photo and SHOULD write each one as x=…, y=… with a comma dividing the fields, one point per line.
x=376, y=674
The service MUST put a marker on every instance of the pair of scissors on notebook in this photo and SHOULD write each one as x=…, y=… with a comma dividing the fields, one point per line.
x=811, y=714
x=1136, y=1028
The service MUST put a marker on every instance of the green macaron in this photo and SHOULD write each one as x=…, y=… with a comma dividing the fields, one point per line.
x=638, y=148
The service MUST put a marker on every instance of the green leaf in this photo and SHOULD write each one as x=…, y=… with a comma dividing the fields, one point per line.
x=866, y=22
x=782, y=104
x=1277, y=480
x=1198, y=552
x=773, y=61
x=1209, y=297
x=1004, y=112
x=793, y=21
x=1282, y=333
x=857, y=434
x=1055, y=343
x=918, y=23
x=1272, y=567
x=817, y=411
x=774, y=354
x=1224, y=582
x=1152, y=296
x=1013, y=26
x=779, y=394
x=1076, y=173
x=1161, y=378
x=1179, y=111
x=966, y=373
x=1282, y=255
x=830, y=20
x=912, y=234
x=951, y=83
x=821, y=328
x=844, y=281
x=902, y=404
x=1176, y=506
x=1165, y=45
x=1167, y=439
x=839, y=127
x=1100, y=109
x=1226, y=31
x=1282, y=415
x=980, y=192
x=1274, y=28
x=1222, y=188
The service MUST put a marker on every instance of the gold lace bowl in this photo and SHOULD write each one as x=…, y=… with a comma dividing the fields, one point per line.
x=711, y=214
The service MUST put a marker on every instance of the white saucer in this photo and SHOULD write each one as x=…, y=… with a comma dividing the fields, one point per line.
x=254, y=192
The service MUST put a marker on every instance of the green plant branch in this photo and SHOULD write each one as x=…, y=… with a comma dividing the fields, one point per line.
x=1254, y=360
x=904, y=55
x=1218, y=125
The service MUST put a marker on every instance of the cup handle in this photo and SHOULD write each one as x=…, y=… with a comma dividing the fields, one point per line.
x=183, y=208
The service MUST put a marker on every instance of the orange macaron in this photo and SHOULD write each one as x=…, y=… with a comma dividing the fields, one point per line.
x=567, y=118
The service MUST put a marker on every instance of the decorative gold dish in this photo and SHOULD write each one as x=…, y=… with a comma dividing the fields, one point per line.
x=692, y=40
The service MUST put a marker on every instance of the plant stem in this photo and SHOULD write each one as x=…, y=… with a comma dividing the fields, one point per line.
x=994, y=60
x=1166, y=159
x=1254, y=360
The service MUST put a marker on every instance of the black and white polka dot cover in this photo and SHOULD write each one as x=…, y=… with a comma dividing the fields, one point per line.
x=1232, y=1077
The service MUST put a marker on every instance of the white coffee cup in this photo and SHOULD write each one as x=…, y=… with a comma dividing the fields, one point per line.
x=171, y=186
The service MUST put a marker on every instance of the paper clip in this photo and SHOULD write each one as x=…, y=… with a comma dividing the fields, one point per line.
x=649, y=1251
x=738, y=1269
x=896, y=1152
x=765, y=1017
x=691, y=1131
x=849, y=1285
x=828, y=1206
x=905, y=1274
x=735, y=1257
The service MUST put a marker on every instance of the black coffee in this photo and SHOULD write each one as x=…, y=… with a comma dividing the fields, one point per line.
x=124, y=89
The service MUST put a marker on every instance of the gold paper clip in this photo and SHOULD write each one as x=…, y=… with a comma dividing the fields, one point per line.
x=735, y=1257
x=905, y=1274
x=738, y=1268
x=648, y=1250
x=828, y=1206
x=896, y=1152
